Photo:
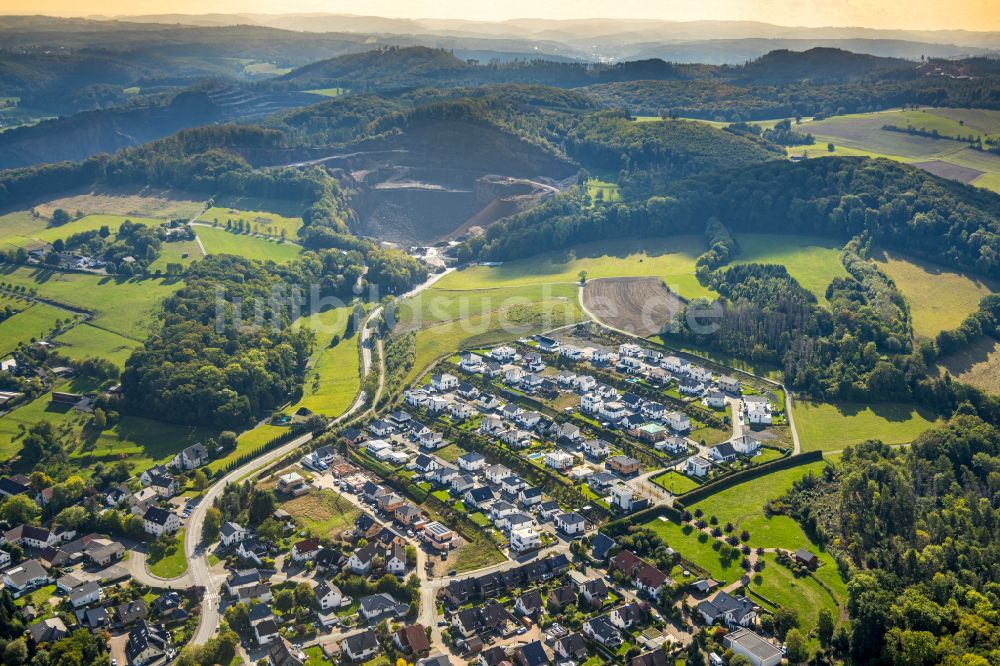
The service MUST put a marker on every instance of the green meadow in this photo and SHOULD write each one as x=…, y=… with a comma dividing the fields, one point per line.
x=261, y=222
x=334, y=375
x=37, y=231
x=85, y=341
x=833, y=427
x=33, y=321
x=127, y=307
x=813, y=262
x=220, y=241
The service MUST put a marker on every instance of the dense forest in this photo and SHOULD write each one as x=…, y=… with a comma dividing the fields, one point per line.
x=917, y=530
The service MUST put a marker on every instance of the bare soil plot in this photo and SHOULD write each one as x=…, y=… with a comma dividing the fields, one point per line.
x=145, y=202
x=944, y=169
x=641, y=306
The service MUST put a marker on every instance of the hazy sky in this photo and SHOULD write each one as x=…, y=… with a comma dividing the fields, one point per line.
x=913, y=14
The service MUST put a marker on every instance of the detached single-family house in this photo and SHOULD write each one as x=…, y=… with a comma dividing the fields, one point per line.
x=558, y=460
x=376, y=607
x=524, y=539
x=231, y=533
x=305, y=550
x=624, y=465
x=570, y=523
x=600, y=630
x=477, y=497
x=85, y=594
x=697, y=466
x=728, y=610
x=729, y=384
x=745, y=445
x=723, y=452
x=472, y=462
x=193, y=456
x=444, y=382
x=360, y=647
x=715, y=399
x=678, y=421
x=157, y=521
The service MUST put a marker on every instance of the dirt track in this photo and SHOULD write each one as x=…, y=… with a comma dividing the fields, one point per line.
x=641, y=306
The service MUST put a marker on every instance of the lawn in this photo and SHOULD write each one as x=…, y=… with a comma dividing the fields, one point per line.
x=671, y=259
x=780, y=585
x=450, y=453
x=173, y=563
x=835, y=426
x=697, y=547
x=813, y=262
x=675, y=482
x=33, y=321
x=476, y=555
x=939, y=299
x=181, y=252
x=334, y=376
x=247, y=442
x=89, y=341
x=261, y=222
x=314, y=656
x=743, y=506
x=978, y=364
x=323, y=513
x=127, y=307
x=220, y=241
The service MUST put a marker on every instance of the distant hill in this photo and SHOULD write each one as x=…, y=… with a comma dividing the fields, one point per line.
x=819, y=65
x=390, y=66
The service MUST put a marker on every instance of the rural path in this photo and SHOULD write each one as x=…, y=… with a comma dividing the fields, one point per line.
x=796, y=447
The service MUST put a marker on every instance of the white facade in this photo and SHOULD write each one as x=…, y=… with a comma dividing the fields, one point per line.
x=524, y=539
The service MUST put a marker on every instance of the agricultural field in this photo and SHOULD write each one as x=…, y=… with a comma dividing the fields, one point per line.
x=155, y=202
x=978, y=364
x=640, y=306
x=334, y=378
x=834, y=427
x=813, y=262
x=261, y=222
x=323, y=513
x=939, y=299
x=32, y=321
x=862, y=134
x=220, y=241
x=86, y=341
x=126, y=307
x=176, y=252
x=670, y=259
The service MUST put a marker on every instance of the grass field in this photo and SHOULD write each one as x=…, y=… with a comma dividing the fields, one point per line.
x=604, y=191
x=780, y=585
x=435, y=305
x=671, y=259
x=262, y=222
x=697, y=547
x=833, y=427
x=743, y=506
x=125, y=307
x=176, y=252
x=247, y=442
x=476, y=555
x=939, y=299
x=39, y=232
x=139, y=201
x=490, y=328
x=33, y=321
x=675, y=482
x=323, y=513
x=139, y=441
x=978, y=364
x=220, y=241
x=85, y=341
x=173, y=563
x=813, y=262
x=334, y=375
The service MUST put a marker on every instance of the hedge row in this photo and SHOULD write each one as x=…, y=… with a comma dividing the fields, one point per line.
x=698, y=494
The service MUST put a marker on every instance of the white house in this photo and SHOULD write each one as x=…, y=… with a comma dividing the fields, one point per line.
x=757, y=409
x=471, y=362
x=675, y=365
x=745, y=445
x=494, y=473
x=600, y=356
x=461, y=410
x=528, y=420
x=591, y=403
x=715, y=399
x=613, y=411
x=231, y=533
x=472, y=462
x=444, y=381
x=328, y=596
x=699, y=373
x=85, y=594
x=571, y=352
x=679, y=421
x=157, y=521
x=570, y=523
x=697, y=466
x=193, y=456
x=416, y=397
x=729, y=384
x=437, y=405
x=524, y=539
x=622, y=496
x=559, y=460
x=597, y=448
x=629, y=349
x=652, y=410
x=584, y=383
x=503, y=353
x=305, y=550
x=513, y=375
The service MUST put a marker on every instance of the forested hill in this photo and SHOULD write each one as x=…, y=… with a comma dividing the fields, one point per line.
x=390, y=67
x=901, y=207
x=918, y=529
x=816, y=65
